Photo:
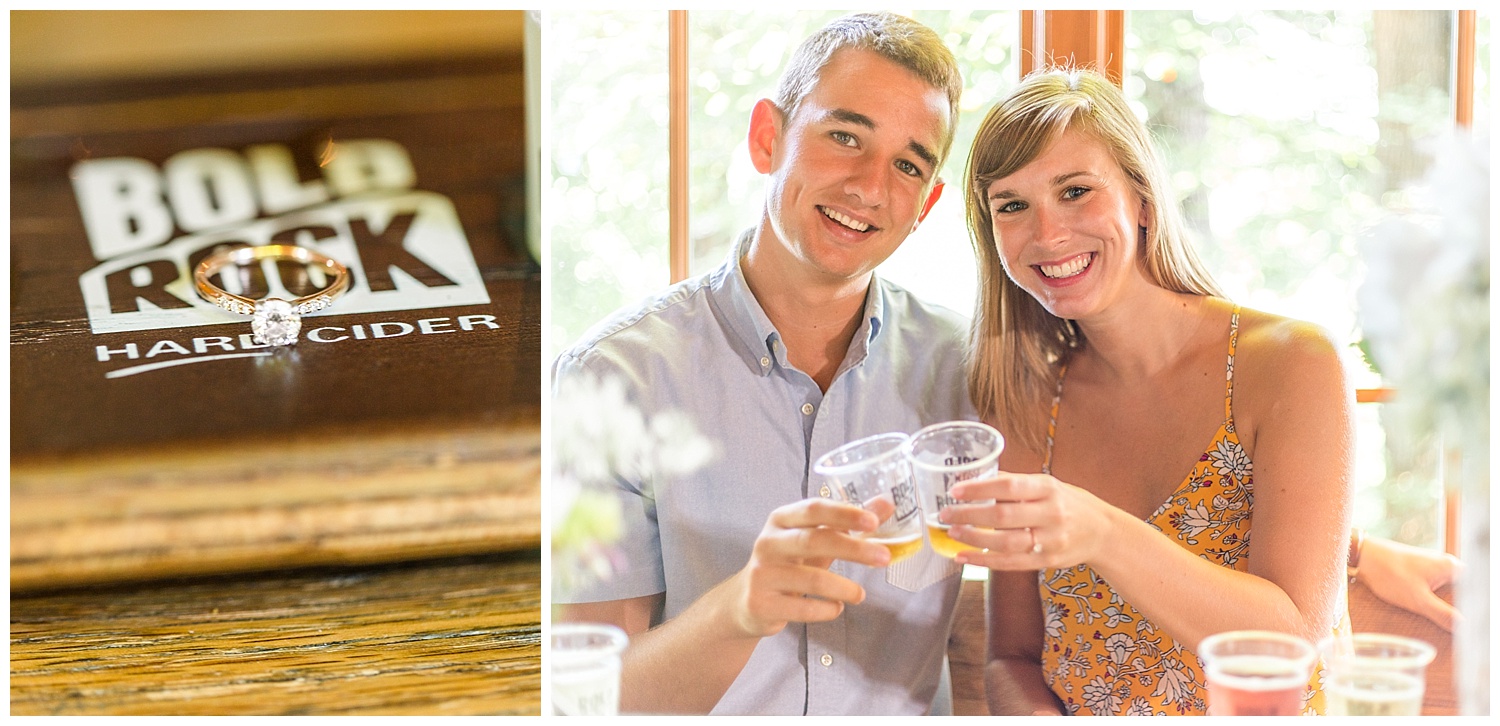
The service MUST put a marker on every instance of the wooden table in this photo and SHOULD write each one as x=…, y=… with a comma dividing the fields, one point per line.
x=444, y=637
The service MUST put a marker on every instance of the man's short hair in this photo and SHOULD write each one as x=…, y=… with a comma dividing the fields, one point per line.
x=897, y=38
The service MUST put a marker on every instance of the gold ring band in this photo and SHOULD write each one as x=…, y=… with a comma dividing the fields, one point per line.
x=275, y=321
x=241, y=256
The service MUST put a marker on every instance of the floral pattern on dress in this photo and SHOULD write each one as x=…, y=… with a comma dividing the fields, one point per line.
x=1100, y=656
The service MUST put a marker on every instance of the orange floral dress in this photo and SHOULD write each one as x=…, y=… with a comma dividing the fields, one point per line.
x=1099, y=655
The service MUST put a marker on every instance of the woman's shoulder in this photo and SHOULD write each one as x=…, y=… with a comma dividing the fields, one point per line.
x=1277, y=356
x=1283, y=340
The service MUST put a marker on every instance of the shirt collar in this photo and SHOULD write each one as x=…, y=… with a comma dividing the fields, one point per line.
x=757, y=338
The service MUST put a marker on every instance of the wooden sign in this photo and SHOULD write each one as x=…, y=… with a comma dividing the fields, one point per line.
x=151, y=435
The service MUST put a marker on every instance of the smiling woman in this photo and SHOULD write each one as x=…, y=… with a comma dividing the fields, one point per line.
x=1130, y=354
x=1075, y=184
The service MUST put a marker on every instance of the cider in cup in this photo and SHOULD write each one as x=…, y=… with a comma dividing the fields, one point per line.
x=1375, y=674
x=1251, y=685
x=937, y=534
x=1256, y=673
x=873, y=473
x=943, y=455
x=900, y=547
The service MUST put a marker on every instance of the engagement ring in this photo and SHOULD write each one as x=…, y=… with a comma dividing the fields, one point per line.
x=274, y=321
x=1036, y=547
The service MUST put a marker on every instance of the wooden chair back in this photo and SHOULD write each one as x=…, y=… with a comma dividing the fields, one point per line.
x=1370, y=614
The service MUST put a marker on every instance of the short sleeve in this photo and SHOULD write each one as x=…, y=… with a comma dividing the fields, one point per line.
x=636, y=559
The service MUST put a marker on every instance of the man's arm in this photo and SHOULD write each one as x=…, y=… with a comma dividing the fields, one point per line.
x=686, y=664
x=633, y=615
x=657, y=675
x=1408, y=578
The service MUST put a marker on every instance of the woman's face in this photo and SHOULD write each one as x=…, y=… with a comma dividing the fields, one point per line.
x=1067, y=227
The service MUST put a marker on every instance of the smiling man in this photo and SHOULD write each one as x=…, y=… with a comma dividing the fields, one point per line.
x=744, y=591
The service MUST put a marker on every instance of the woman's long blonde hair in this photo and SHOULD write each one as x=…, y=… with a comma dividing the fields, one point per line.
x=1017, y=345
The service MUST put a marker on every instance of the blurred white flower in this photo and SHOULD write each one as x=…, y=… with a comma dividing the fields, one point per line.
x=601, y=441
x=1424, y=303
x=1425, y=306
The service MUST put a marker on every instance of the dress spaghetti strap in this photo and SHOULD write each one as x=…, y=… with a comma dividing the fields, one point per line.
x=1062, y=372
x=1234, y=337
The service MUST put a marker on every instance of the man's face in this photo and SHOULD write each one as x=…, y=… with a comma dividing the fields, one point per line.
x=852, y=170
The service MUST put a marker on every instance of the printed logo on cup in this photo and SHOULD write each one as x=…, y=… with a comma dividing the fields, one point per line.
x=950, y=479
x=905, y=495
x=405, y=248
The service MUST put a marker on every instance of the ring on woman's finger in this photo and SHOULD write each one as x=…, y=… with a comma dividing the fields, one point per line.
x=1036, y=547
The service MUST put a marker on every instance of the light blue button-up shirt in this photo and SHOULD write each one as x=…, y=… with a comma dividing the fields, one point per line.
x=705, y=348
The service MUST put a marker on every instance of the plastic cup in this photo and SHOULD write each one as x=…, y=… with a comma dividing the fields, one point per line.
x=1375, y=674
x=873, y=473
x=942, y=455
x=1256, y=673
x=584, y=660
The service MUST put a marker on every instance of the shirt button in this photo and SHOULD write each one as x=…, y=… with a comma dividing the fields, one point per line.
x=826, y=660
x=825, y=492
x=765, y=362
x=807, y=409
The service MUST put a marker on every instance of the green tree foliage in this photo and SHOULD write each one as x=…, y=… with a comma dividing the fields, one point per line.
x=606, y=198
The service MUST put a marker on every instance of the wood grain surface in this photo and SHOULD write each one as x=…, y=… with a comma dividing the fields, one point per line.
x=50, y=45
x=368, y=498
x=968, y=651
x=443, y=637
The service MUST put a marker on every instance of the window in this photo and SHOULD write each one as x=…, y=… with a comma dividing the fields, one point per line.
x=605, y=166
x=1290, y=133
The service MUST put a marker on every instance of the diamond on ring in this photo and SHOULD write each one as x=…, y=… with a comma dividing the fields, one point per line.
x=275, y=322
